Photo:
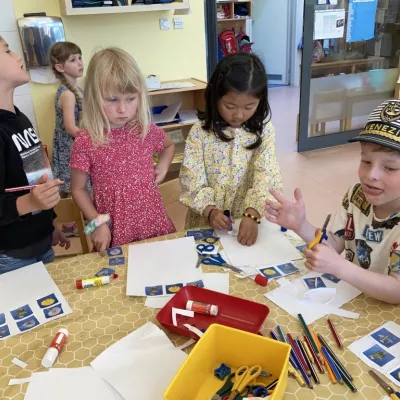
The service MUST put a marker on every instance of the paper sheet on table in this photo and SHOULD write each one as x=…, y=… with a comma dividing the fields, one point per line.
x=22, y=288
x=70, y=383
x=168, y=114
x=141, y=365
x=212, y=281
x=290, y=298
x=387, y=337
x=162, y=263
x=272, y=247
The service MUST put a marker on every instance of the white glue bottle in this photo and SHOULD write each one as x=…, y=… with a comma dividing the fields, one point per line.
x=54, y=350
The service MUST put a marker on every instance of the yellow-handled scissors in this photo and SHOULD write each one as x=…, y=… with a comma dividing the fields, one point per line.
x=243, y=377
x=321, y=235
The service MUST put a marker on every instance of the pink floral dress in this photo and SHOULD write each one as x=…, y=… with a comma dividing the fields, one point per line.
x=123, y=182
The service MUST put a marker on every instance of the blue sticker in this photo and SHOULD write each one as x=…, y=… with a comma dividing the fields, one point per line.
x=287, y=268
x=21, y=312
x=28, y=323
x=47, y=301
x=270, y=272
x=53, y=311
x=197, y=283
x=331, y=278
x=2, y=319
x=4, y=331
x=154, y=290
x=105, y=272
x=385, y=338
x=114, y=251
x=314, y=283
x=395, y=373
x=377, y=355
x=301, y=247
x=116, y=261
x=211, y=240
x=201, y=234
x=174, y=288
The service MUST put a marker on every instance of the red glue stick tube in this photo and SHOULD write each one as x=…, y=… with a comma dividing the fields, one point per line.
x=201, y=308
x=54, y=350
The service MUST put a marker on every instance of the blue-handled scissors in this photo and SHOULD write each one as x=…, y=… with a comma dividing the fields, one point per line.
x=205, y=248
x=216, y=259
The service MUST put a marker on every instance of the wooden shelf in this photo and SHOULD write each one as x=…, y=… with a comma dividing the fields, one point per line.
x=178, y=125
x=199, y=85
x=233, y=19
x=67, y=9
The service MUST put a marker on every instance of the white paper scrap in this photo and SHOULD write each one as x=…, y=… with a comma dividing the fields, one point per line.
x=19, y=363
x=272, y=247
x=320, y=295
x=178, y=311
x=20, y=381
x=193, y=329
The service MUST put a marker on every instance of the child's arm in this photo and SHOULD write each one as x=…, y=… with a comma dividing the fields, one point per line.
x=67, y=103
x=323, y=258
x=164, y=159
x=101, y=237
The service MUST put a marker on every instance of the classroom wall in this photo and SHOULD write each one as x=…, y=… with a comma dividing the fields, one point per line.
x=173, y=54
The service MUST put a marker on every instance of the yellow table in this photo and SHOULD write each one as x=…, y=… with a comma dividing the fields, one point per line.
x=101, y=316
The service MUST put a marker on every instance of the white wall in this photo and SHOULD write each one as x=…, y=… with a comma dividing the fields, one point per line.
x=297, y=33
x=8, y=30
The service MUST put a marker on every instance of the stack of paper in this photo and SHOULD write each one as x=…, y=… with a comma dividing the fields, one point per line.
x=141, y=365
x=29, y=298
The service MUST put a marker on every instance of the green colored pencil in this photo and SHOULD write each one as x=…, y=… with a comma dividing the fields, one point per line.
x=308, y=333
x=346, y=380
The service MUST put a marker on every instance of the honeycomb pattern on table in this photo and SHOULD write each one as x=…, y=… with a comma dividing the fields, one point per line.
x=102, y=316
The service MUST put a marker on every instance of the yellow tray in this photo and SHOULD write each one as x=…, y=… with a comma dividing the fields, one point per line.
x=195, y=379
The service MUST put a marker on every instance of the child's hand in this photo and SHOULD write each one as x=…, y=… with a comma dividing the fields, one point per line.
x=101, y=238
x=290, y=215
x=60, y=239
x=160, y=174
x=218, y=220
x=46, y=195
x=248, y=232
x=323, y=258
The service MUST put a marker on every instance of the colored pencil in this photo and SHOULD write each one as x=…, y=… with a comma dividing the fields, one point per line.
x=274, y=336
x=335, y=334
x=307, y=350
x=316, y=359
x=308, y=361
x=283, y=339
x=346, y=380
x=298, y=353
x=332, y=365
x=335, y=358
x=308, y=334
x=326, y=364
x=20, y=188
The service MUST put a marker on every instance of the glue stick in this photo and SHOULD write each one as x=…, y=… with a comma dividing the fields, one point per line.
x=54, y=350
x=201, y=308
x=90, y=282
x=227, y=213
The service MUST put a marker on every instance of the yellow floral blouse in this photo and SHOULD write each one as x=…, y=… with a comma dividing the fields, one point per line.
x=226, y=174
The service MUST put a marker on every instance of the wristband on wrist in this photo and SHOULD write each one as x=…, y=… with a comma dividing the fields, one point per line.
x=254, y=218
x=209, y=214
x=95, y=223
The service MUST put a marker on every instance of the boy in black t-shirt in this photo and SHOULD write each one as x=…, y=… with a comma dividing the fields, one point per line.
x=27, y=230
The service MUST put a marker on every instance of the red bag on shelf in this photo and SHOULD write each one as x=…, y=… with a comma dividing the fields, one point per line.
x=228, y=42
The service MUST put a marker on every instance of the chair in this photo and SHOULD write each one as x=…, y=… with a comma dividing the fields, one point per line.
x=170, y=192
x=327, y=107
x=68, y=211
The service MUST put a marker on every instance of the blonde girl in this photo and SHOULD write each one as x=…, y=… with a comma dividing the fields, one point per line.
x=67, y=65
x=116, y=148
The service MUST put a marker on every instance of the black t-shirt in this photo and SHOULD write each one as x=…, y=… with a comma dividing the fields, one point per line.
x=22, y=162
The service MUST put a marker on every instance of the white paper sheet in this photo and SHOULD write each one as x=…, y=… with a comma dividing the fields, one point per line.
x=290, y=298
x=70, y=383
x=329, y=24
x=188, y=116
x=141, y=365
x=162, y=263
x=391, y=368
x=272, y=247
x=168, y=114
x=212, y=281
x=24, y=287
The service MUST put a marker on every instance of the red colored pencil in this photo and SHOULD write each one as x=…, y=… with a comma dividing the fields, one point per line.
x=20, y=188
x=335, y=334
x=316, y=359
x=298, y=354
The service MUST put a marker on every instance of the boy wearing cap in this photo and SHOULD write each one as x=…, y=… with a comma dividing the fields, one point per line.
x=366, y=225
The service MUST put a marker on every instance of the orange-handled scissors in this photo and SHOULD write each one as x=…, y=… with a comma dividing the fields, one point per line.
x=243, y=377
x=320, y=235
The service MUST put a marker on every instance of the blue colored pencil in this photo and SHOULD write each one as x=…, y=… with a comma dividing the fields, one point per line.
x=332, y=365
x=283, y=339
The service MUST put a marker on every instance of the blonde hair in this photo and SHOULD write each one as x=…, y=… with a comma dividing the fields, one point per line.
x=59, y=54
x=113, y=70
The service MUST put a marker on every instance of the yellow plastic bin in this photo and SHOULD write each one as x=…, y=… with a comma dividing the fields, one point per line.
x=195, y=379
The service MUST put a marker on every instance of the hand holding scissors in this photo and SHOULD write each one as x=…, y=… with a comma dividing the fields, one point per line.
x=320, y=235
